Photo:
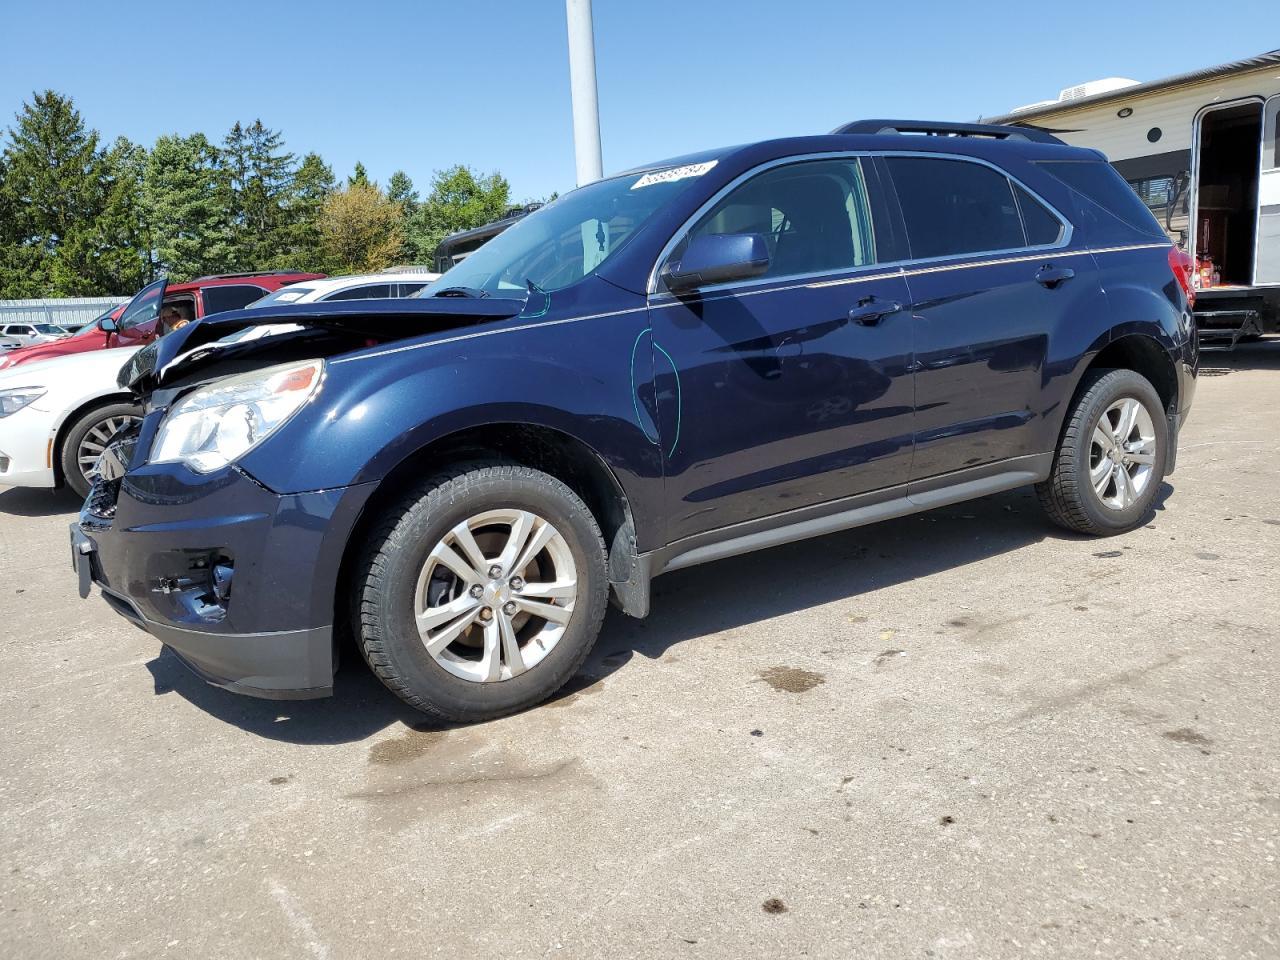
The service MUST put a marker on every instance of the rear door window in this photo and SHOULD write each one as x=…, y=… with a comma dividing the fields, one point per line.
x=955, y=207
x=231, y=297
x=370, y=291
x=1042, y=227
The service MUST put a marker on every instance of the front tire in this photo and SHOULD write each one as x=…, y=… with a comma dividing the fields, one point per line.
x=84, y=442
x=1111, y=461
x=481, y=592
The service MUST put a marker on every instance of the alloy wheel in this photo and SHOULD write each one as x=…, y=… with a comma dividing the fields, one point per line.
x=495, y=595
x=95, y=441
x=1122, y=452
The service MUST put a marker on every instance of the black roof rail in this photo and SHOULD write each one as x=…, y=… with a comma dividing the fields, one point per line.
x=939, y=128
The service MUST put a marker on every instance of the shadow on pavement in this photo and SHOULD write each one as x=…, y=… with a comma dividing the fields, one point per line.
x=1259, y=355
x=360, y=706
x=687, y=604
x=32, y=502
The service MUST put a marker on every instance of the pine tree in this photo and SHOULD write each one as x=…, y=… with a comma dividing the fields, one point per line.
x=360, y=177
x=122, y=231
x=53, y=187
x=299, y=247
x=23, y=266
x=260, y=174
x=188, y=209
x=400, y=190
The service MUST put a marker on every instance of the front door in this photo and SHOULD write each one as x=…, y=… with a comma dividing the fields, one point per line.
x=137, y=324
x=1266, y=267
x=787, y=390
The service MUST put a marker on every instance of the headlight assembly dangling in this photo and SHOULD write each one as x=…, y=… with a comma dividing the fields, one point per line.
x=221, y=422
x=13, y=399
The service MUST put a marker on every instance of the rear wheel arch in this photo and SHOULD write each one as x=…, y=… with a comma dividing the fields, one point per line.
x=558, y=454
x=1142, y=354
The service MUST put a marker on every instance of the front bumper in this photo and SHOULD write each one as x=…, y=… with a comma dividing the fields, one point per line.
x=237, y=580
x=25, y=450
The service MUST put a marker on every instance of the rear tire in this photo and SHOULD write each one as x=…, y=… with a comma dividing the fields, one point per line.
x=87, y=438
x=452, y=637
x=1112, y=457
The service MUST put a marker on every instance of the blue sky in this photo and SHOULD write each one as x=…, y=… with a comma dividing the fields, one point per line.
x=420, y=86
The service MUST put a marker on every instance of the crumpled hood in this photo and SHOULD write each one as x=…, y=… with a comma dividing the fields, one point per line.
x=378, y=320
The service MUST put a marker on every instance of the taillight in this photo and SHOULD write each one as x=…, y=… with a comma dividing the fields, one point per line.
x=1180, y=264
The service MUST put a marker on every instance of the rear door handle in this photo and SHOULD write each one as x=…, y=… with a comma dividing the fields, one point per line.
x=871, y=310
x=1049, y=276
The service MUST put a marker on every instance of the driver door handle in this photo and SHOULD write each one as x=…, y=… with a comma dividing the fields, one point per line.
x=871, y=310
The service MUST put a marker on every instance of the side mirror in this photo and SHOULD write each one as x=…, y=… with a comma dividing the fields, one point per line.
x=717, y=258
x=107, y=325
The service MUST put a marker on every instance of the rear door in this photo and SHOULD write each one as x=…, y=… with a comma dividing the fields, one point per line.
x=993, y=275
x=771, y=396
x=1266, y=266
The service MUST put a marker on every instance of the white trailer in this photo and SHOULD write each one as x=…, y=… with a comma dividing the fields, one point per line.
x=1202, y=149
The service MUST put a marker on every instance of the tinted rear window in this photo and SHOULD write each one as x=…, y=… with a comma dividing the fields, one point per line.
x=954, y=207
x=232, y=297
x=1097, y=180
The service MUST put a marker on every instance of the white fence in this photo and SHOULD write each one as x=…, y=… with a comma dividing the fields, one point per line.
x=70, y=310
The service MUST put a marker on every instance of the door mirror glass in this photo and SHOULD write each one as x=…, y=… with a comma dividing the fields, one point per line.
x=107, y=325
x=717, y=258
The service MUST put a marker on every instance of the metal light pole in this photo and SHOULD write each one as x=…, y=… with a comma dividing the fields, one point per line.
x=582, y=85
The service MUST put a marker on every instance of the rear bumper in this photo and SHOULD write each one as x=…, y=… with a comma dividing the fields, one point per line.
x=239, y=581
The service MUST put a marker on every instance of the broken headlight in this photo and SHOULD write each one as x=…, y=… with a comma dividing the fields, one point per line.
x=218, y=423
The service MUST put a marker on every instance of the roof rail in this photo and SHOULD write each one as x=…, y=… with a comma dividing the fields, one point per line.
x=944, y=129
x=240, y=276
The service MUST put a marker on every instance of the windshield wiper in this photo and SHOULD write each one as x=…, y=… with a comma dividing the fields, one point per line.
x=474, y=293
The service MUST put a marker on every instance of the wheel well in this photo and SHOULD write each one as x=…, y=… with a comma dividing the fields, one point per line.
x=1145, y=356
x=567, y=459
x=70, y=420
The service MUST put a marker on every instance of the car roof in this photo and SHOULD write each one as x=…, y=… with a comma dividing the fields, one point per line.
x=986, y=148
x=268, y=281
x=331, y=284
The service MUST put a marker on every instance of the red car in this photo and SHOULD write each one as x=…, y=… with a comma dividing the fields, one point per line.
x=178, y=302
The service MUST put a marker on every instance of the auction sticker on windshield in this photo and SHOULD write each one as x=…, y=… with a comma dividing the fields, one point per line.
x=674, y=173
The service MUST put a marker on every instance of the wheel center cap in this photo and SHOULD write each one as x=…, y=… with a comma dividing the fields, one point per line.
x=497, y=593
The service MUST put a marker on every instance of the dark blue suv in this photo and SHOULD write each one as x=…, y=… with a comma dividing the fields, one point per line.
x=694, y=359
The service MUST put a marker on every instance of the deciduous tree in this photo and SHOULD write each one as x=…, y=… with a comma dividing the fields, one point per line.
x=459, y=200
x=360, y=230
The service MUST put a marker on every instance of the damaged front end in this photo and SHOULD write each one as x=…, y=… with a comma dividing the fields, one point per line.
x=236, y=577
x=290, y=332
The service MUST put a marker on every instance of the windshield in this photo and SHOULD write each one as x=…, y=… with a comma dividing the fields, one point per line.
x=283, y=295
x=568, y=239
x=49, y=328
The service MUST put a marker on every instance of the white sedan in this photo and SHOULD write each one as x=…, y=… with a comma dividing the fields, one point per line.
x=369, y=286
x=57, y=415
x=32, y=333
